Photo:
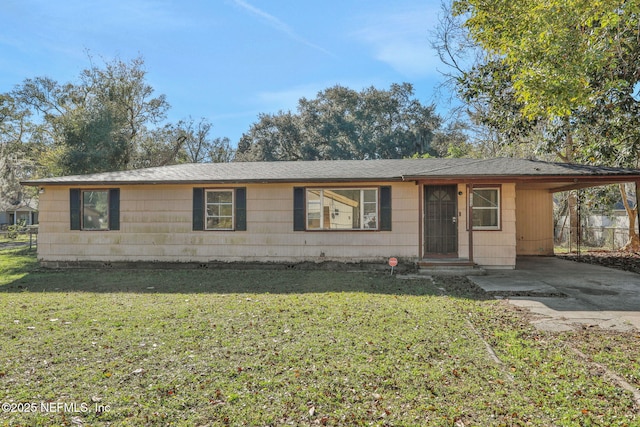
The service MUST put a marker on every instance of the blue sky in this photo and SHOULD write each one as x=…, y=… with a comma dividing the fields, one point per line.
x=227, y=60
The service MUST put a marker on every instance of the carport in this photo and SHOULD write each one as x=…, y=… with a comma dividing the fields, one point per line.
x=534, y=204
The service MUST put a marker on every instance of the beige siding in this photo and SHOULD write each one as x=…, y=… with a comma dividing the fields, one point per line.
x=534, y=209
x=156, y=225
x=491, y=248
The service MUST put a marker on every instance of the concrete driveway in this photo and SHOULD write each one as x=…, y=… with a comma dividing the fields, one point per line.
x=567, y=295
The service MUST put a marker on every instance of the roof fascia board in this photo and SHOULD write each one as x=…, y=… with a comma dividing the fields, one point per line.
x=581, y=185
x=204, y=182
x=595, y=179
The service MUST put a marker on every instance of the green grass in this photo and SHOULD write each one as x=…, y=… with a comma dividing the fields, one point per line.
x=15, y=264
x=617, y=351
x=258, y=348
x=20, y=238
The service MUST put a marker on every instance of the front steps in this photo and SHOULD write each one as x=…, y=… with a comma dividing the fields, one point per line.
x=449, y=267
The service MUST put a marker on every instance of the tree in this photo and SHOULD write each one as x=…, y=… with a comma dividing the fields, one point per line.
x=198, y=145
x=489, y=113
x=94, y=142
x=341, y=123
x=558, y=53
x=16, y=154
x=122, y=88
x=102, y=119
x=564, y=70
x=276, y=137
x=453, y=141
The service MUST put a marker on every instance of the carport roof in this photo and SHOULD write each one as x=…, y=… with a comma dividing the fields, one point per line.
x=469, y=170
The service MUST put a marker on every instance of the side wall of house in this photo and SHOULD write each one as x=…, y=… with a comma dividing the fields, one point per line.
x=534, y=230
x=491, y=248
x=156, y=225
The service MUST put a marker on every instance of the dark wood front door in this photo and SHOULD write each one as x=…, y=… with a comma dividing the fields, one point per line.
x=441, y=220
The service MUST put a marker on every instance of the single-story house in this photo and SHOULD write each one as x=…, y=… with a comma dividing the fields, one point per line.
x=20, y=213
x=485, y=212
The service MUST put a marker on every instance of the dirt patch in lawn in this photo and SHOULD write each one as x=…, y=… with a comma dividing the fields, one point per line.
x=459, y=286
x=619, y=260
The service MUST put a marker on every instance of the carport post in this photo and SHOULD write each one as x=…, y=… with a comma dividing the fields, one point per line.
x=637, y=207
x=470, y=218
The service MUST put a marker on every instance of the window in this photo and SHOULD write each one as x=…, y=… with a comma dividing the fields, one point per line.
x=219, y=210
x=486, y=208
x=342, y=209
x=95, y=209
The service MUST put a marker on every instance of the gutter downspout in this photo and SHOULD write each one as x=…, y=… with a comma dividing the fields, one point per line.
x=470, y=219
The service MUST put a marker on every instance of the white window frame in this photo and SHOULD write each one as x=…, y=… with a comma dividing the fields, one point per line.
x=206, y=209
x=497, y=208
x=321, y=204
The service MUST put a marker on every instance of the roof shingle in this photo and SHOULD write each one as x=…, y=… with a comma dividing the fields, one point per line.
x=339, y=170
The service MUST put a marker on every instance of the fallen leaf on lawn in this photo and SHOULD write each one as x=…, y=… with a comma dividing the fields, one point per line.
x=312, y=411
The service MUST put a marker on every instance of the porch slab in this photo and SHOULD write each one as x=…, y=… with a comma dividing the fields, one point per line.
x=452, y=271
x=449, y=267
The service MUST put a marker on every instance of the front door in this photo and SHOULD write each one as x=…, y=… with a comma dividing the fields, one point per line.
x=441, y=221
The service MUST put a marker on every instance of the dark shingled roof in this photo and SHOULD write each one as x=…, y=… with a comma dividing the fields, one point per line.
x=341, y=171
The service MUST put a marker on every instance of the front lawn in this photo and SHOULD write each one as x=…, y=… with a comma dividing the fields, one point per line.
x=267, y=347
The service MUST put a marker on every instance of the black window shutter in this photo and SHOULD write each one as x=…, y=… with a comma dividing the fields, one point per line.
x=385, y=208
x=114, y=209
x=198, y=209
x=74, y=208
x=298, y=209
x=241, y=209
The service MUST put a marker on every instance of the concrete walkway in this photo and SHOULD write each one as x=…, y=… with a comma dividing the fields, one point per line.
x=567, y=295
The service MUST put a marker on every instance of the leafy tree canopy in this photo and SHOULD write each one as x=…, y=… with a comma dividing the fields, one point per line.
x=341, y=123
x=97, y=123
x=561, y=71
x=562, y=55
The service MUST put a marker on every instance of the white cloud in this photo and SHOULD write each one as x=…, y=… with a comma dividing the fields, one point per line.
x=401, y=39
x=279, y=25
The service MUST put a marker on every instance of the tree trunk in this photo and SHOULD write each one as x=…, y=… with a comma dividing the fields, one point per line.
x=562, y=214
x=633, y=244
x=573, y=219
